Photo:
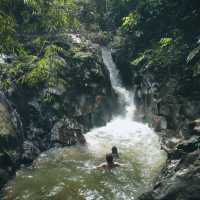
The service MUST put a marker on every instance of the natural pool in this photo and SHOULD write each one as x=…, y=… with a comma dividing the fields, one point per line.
x=70, y=174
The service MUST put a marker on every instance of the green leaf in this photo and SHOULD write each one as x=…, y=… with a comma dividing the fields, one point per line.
x=193, y=54
x=138, y=60
x=130, y=21
x=164, y=42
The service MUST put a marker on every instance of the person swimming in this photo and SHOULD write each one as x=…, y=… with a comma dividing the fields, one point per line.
x=115, y=152
x=109, y=164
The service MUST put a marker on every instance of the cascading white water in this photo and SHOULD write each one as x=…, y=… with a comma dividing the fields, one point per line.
x=129, y=136
x=69, y=174
x=125, y=96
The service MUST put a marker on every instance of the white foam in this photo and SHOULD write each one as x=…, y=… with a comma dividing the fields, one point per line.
x=129, y=136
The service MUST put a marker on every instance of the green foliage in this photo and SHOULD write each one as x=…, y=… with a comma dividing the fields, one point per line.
x=138, y=60
x=46, y=67
x=7, y=32
x=129, y=22
x=196, y=69
x=47, y=98
x=27, y=31
x=51, y=15
x=193, y=54
x=83, y=55
x=162, y=62
x=21, y=18
x=33, y=71
x=194, y=60
x=164, y=42
x=118, y=40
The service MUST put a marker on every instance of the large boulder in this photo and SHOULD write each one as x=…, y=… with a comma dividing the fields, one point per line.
x=180, y=180
x=11, y=139
x=67, y=132
x=31, y=151
x=11, y=133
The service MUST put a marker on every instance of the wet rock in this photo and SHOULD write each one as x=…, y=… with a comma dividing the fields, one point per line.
x=159, y=123
x=176, y=119
x=11, y=133
x=57, y=90
x=4, y=177
x=83, y=55
x=180, y=178
x=194, y=126
x=181, y=182
x=30, y=152
x=189, y=145
x=82, y=91
x=11, y=138
x=67, y=132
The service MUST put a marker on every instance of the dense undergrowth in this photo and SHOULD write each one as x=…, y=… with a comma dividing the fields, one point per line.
x=161, y=36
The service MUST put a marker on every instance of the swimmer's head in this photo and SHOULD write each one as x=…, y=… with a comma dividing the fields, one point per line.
x=109, y=158
x=114, y=150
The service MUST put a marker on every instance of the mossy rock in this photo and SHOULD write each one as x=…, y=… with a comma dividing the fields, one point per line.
x=6, y=126
x=4, y=177
x=10, y=137
x=83, y=55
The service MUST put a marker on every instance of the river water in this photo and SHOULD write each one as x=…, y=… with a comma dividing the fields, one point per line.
x=70, y=174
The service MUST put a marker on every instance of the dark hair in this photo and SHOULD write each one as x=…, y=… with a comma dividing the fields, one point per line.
x=114, y=150
x=109, y=158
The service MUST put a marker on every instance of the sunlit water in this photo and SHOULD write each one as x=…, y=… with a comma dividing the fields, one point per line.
x=70, y=174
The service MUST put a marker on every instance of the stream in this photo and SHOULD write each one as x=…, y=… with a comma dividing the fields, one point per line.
x=70, y=174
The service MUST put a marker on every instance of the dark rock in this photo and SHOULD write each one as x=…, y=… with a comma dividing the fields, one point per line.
x=174, y=185
x=67, y=132
x=11, y=134
x=30, y=152
x=175, y=118
x=4, y=177
x=82, y=92
x=189, y=145
x=194, y=126
x=11, y=139
x=159, y=123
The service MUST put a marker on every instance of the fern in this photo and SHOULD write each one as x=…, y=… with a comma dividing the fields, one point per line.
x=193, y=54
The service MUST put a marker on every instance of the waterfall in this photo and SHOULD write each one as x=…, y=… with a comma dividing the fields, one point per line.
x=122, y=131
x=125, y=96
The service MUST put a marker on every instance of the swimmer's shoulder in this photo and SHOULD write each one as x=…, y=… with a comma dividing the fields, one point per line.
x=102, y=166
x=117, y=164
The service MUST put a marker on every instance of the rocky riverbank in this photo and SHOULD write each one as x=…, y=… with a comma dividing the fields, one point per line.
x=176, y=119
x=173, y=111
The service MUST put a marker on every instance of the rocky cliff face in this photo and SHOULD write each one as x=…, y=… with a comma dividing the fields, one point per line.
x=175, y=118
x=170, y=104
x=56, y=114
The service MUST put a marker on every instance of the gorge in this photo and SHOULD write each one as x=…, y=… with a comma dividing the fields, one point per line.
x=79, y=76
